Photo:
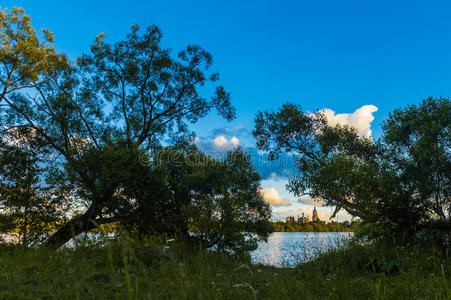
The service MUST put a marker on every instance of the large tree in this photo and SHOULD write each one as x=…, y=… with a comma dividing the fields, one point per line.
x=418, y=141
x=400, y=182
x=314, y=144
x=92, y=121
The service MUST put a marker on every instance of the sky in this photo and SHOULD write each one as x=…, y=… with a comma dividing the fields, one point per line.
x=356, y=60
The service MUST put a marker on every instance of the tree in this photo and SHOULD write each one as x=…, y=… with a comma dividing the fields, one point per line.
x=27, y=207
x=228, y=209
x=419, y=145
x=399, y=183
x=323, y=154
x=24, y=56
x=91, y=122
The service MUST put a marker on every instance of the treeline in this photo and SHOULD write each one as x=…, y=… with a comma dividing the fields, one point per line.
x=290, y=225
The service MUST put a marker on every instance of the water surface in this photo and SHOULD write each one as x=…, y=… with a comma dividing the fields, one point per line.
x=290, y=248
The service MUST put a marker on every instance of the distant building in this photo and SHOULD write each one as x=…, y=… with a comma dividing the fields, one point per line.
x=303, y=219
x=315, y=215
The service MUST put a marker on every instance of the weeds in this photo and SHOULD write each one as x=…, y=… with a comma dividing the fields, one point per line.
x=125, y=269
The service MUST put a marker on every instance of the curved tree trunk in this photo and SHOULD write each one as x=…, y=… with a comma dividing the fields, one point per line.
x=74, y=227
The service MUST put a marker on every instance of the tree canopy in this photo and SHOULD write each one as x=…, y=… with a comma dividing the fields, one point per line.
x=400, y=182
x=97, y=125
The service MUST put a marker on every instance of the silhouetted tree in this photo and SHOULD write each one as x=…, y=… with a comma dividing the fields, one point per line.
x=91, y=122
x=399, y=183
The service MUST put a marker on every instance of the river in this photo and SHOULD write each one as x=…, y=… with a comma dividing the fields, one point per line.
x=290, y=248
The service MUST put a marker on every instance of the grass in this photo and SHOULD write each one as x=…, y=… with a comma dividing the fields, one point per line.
x=124, y=269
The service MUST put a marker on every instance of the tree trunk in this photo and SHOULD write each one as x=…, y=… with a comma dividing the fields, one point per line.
x=73, y=228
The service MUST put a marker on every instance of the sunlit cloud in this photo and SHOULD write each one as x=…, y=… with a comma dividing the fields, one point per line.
x=218, y=144
x=360, y=119
x=221, y=143
x=307, y=200
x=271, y=196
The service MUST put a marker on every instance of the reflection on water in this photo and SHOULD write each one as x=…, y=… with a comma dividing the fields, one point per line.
x=290, y=248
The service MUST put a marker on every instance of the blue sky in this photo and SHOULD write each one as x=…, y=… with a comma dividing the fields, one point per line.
x=339, y=55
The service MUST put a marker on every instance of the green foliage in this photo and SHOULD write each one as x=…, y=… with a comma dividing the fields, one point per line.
x=24, y=56
x=125, y=269
x=92, y=122
x=150, y=91
x=27, y=208
x=324, y=155
x=227, y=210
x=418, y=141
x=217, y=199
x=400, y=183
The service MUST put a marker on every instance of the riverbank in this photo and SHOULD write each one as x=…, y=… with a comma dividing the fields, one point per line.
x=128, y=270
x=291, y=225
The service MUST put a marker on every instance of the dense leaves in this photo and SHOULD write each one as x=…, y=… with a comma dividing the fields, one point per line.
x=93, y=124
x=27, y=206
x=217, y=200
x=319, y=150
x=418, y=138
x=24, y=56
x=400, y=184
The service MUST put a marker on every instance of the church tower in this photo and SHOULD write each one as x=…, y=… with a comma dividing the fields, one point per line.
x=315, y=215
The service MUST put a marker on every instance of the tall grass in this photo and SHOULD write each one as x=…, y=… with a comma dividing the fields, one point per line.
x=158, y=269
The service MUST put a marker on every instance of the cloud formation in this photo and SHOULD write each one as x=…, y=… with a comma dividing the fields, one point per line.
x=360, y=119
x=221, y=143
x=271, y=196
x=307, y=200
x=218, y=144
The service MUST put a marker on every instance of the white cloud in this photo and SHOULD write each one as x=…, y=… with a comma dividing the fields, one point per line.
x=271, y=196
x=234, y=141
x=221, y=143
x=360, y=119
x=304, y=199
x=217, y=146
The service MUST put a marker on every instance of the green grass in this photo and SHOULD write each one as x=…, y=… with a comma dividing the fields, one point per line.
x=130, y=270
